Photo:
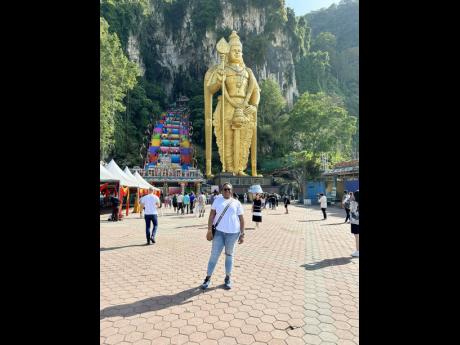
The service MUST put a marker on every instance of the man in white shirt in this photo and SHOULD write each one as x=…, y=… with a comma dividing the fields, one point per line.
x=180, y=203
x=229, y=229
x=151, y=202
x=323, y=201
x=200, y=205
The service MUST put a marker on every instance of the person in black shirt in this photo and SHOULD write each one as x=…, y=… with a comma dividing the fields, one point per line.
x=257, y=210
x=286, y=203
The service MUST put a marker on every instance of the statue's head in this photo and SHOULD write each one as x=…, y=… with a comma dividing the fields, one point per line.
x=236, y=49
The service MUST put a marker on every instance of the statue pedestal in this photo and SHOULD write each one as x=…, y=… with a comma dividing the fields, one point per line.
x=241, y=184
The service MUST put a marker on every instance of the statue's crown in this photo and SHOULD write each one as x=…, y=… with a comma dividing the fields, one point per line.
x=234, y=39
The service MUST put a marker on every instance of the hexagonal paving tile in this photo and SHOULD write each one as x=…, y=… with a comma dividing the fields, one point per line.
x=179, y=339
x=278, y=334
x=215, y=334
x=221, y=325
x=245, y=339
x=227, y=341
x=294, y=341
x=197, y=337
x=170, y=332
x=312, y=339
x=263, y=337
x=327, y=336
x=187, y=330
x=249, y=329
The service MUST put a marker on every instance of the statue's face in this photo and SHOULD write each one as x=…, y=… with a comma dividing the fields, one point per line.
x=236, y=54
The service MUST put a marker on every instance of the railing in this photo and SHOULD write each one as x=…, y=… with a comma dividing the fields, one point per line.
x=177, y=173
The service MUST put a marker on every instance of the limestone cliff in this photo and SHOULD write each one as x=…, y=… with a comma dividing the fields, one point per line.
x=176, y=43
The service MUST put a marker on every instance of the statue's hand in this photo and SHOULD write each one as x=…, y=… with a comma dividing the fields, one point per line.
x=220, y=74
x=249, y=110
x=237, y=121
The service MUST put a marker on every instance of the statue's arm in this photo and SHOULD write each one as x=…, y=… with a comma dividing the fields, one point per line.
x=255, y=96
x=214, y=84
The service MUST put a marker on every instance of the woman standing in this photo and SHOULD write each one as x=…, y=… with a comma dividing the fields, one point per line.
x=354, y=211
x=257, y=210
x=227, y=213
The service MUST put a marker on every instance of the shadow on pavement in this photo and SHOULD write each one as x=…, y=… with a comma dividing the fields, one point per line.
x=152, y=304
x=326, y=263
x=112, y=248
x=190, y=226
x=333, y=224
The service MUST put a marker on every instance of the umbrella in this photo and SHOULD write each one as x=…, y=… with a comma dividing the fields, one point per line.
x=255, y=189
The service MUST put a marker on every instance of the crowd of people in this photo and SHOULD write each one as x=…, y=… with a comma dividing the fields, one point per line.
x=226, y=223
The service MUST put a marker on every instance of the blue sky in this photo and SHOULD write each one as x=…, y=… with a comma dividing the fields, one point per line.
x=302, y=7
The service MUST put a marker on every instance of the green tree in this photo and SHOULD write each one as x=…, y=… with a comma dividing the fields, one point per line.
x=271, y=123
x=319, y=125
x=312, y=71
x=117, y=76
x=131, y=142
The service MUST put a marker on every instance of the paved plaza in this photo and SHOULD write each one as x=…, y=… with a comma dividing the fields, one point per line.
x=294, y=282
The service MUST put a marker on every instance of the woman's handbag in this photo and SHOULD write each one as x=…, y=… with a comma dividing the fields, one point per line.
x=210, y=235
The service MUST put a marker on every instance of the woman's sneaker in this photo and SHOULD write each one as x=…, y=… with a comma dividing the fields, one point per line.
x=227, y=283
x=206, y=284
x=355, y=254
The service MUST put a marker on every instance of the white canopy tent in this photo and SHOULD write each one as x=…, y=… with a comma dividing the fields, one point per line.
x=125, y=180
x=131, y=176
x=106, y=176
x=144, y=182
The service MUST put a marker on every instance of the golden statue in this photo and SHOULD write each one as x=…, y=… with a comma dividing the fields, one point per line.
x=235, y=117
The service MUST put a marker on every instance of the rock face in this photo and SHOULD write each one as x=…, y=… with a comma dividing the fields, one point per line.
x=175, y=55
x=134, y=53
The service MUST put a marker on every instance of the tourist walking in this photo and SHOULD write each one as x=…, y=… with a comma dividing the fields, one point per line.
x=150, y=202
x=213, y=197
x=192, y=201
x=174, y=202
x=286, y=203
x=346, y=202
x=354, y=211
x=257, y=210
x=186, y=202
x=245, y=198
x=115, y=207
x=180, y=204
x=323, y=204
x=227, y=213
x=160, y=208
x=272, y=199
x=167, y=201
x=200, y=205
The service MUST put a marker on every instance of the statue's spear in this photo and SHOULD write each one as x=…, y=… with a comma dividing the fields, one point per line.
x=223, y=48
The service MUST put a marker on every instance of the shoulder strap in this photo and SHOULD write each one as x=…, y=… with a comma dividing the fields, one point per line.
x=223, y=212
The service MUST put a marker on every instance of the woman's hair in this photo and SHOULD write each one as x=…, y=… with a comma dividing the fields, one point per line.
x=356, y=195
x=227, y=184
